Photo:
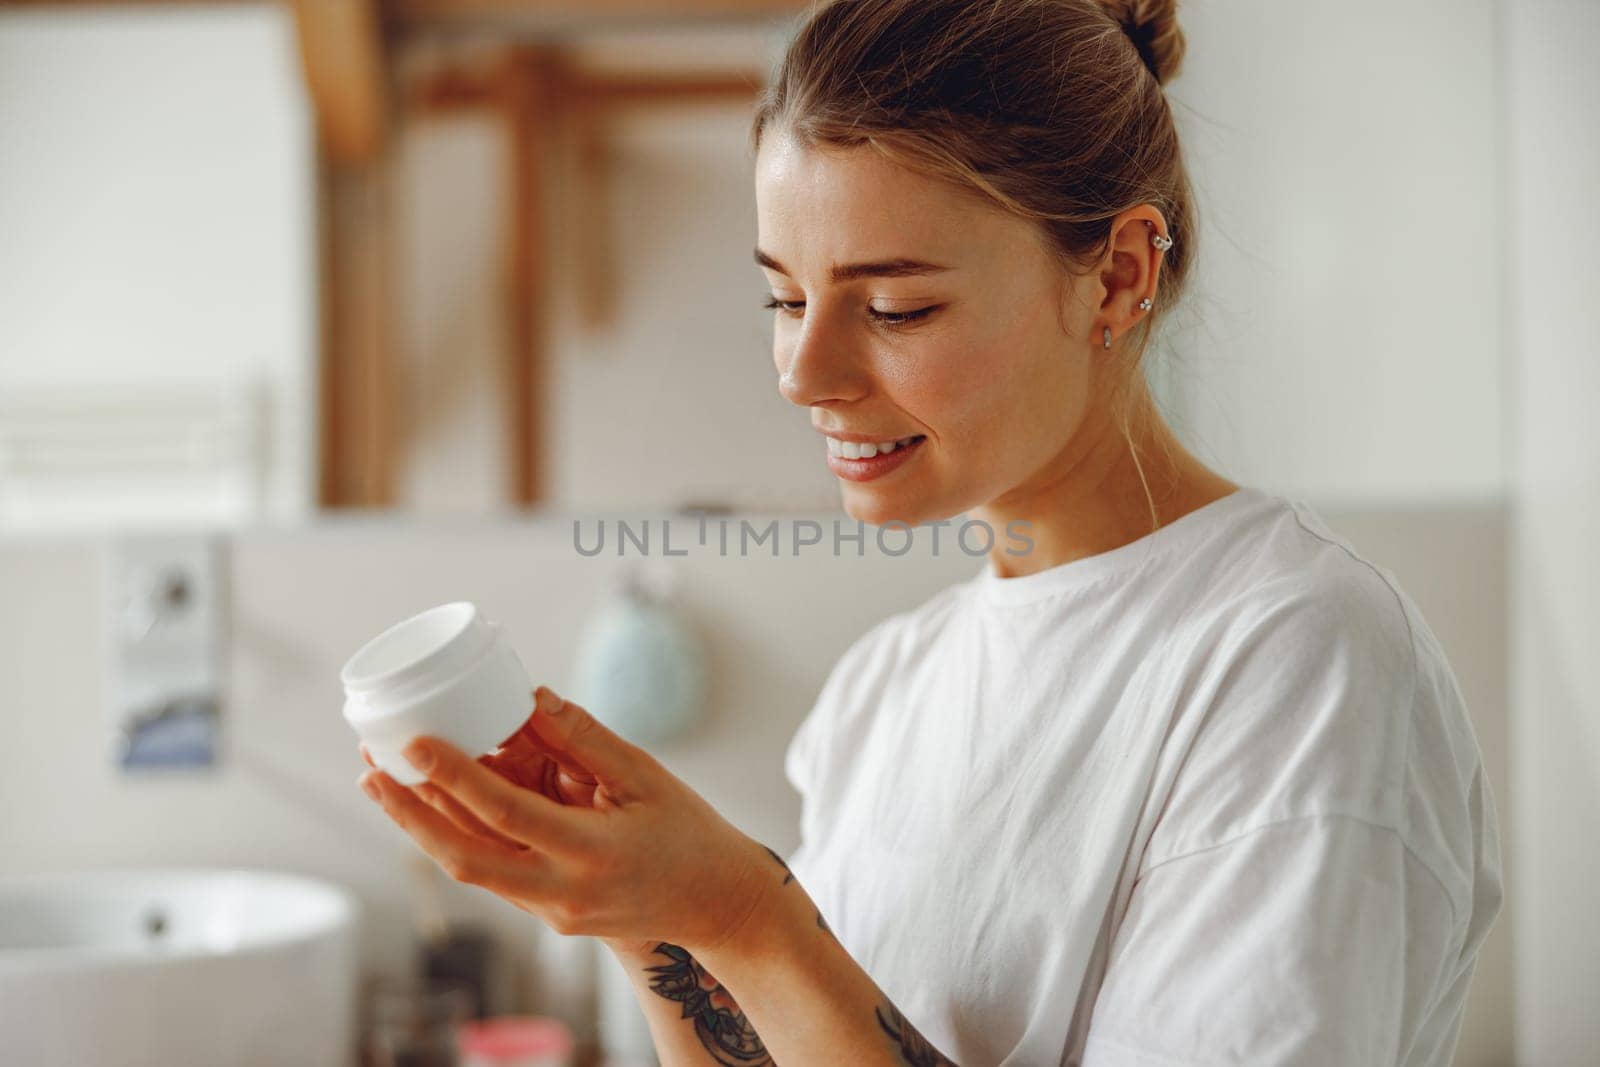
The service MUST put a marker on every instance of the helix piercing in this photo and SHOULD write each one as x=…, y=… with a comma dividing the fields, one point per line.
x=1161, y=242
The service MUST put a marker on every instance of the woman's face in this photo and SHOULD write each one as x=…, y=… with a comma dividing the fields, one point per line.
x=976, y=342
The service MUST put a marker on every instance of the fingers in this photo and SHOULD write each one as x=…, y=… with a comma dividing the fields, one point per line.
x=452, y=809
x=521, y=814
x=526, y=743
x=527, y=767
x=447, y=806
x=463, y=856
x=576, y=773
x=535, y=770
x=574, y=790
x=577, y=737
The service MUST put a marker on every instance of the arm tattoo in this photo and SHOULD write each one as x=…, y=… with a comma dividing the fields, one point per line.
x=728, y=1036
x=718, y=1021
x=916, y=1049
x=788, y=876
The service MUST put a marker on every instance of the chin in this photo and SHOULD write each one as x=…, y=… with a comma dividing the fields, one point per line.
x=878, y=509
x=868, y=507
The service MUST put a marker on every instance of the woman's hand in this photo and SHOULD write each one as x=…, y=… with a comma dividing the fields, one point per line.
x=573, y=824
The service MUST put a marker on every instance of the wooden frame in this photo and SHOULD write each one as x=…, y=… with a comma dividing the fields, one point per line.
x=544, y=98
x=342, y=53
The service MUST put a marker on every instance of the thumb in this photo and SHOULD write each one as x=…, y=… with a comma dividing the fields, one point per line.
x=569, y=730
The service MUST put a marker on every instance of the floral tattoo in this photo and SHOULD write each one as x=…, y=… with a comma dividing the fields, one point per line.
x=718, y=1020
x=725, y=1031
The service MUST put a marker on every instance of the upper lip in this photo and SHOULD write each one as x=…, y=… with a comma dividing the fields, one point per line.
x=863, y=438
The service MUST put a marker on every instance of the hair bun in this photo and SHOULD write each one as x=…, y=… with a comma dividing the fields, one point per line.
x=1152, y=26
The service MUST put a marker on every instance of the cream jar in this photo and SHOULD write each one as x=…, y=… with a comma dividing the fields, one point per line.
x=446, y=672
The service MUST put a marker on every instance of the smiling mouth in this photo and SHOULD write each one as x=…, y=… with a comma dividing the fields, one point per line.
x=876, y=466
x=867, y=450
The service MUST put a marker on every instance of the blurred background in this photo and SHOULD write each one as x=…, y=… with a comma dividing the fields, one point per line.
x=315, y=314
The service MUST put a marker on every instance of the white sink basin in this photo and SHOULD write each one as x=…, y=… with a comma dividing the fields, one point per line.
x=176, y=967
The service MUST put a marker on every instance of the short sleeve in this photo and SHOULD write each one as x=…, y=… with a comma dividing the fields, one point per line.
x=1300, y=703
x=851, y=688
x=798, y=757
x=1315, y=940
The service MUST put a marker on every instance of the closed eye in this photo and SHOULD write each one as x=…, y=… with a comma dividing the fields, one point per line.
x=888, y=318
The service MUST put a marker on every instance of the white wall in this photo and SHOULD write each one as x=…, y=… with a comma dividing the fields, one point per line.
x=1553, y=98
x=675, y=398
x=449, y=238
x=685, y=377
x=1344, y=337
x=157, y=193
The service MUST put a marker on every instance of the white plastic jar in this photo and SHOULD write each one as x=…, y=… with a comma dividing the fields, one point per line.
x=446, y=672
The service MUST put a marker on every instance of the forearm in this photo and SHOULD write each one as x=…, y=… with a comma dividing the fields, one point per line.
x=806, y=995
x=693, y=1020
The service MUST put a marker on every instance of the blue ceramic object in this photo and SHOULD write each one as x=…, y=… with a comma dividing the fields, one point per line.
x=640, y=669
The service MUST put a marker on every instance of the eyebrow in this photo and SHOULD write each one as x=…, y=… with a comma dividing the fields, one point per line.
x=888, y=268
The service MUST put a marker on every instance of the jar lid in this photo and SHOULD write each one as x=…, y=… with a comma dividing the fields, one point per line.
x=441, y=638
x=509, y=1036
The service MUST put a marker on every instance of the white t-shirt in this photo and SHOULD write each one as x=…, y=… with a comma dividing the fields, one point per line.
x=1209, y=797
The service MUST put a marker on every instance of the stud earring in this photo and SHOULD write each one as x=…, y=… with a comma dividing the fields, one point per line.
x=1107, y=337
x=1145, y=304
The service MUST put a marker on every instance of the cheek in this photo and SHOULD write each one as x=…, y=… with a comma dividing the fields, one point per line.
x=971, y=389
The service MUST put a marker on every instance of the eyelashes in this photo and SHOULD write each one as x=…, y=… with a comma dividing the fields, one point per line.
x=888, y=318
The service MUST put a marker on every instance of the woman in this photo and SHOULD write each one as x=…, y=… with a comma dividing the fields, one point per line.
x=1188, y=781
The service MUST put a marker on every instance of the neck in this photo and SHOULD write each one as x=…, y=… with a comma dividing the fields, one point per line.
x=1105, y=489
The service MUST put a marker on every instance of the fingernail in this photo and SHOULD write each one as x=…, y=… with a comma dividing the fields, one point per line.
x=419, y=755
x=369, y=786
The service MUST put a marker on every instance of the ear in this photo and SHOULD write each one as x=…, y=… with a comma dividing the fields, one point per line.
x=1129, y=271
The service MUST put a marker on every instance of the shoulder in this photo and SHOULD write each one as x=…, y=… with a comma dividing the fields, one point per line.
x=1304, y=580
x=1316, y=691
x=1310, y=599
x=1304, y=638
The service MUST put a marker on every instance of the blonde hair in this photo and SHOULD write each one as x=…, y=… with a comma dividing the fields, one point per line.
x=1053, y=109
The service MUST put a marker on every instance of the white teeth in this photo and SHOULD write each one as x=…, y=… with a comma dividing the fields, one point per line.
x=852, y=450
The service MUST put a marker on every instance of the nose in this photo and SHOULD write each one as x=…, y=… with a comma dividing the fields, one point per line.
x=818, y=365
